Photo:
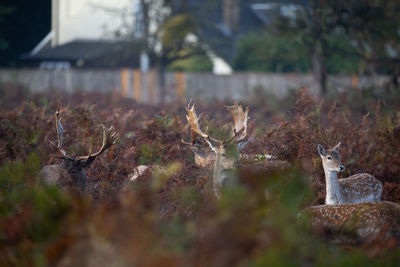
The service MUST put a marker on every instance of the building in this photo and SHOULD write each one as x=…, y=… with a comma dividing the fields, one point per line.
x=86, y=33
x=96, y=33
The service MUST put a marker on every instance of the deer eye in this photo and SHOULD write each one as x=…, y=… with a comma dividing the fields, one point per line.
x=223, y=154
x=329, y=157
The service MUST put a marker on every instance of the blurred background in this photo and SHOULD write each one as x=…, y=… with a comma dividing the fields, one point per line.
x=163, y=50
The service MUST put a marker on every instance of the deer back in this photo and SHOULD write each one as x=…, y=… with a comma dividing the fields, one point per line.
x=361, y=187
x=357, y=223
x=60, y=176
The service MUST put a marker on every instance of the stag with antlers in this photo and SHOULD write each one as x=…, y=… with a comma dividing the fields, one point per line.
x=70, y=172
x=226, y=151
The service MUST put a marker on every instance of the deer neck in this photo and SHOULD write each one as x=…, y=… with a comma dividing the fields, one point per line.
x=76, y=172
x=223, y=170
x=219, y=166
x=333, y=195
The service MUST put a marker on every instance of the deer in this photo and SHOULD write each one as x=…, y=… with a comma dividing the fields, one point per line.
x=357, y=222
x=70, y=173
x=361, y=187
x=226, y=151
x=353, y=212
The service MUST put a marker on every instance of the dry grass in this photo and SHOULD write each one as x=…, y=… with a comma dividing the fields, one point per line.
x=172, y=218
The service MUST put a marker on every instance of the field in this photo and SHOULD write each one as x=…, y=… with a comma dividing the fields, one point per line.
x=169, y=214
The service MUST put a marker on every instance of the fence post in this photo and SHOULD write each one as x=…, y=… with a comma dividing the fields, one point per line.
x=124, y=82
x=354, y=81
x=151, y=83
x=137, y=85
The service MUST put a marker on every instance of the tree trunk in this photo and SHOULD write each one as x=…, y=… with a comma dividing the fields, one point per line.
x=319, y=65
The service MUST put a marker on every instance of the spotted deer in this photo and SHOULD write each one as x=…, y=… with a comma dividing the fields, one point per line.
x=226, y=151
x=361, y=187
x=70, y=174
x=357, y=222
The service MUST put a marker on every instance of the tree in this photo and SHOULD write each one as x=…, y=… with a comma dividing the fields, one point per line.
x=280, y=51
x=271, y=52
x=375, y=28
x=165, y=31
x=315, y=24
x=371, y=27
x=23, y=24
x=299, y=43
x=175, y=44
x=4, y=13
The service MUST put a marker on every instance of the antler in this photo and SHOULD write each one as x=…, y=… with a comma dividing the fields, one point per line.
x=193, y=121
x=240, y=122
x=60, y=132
x=110, y=136
x=239, y=116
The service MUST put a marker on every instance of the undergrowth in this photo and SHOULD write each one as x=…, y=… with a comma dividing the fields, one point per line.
x=169, y=216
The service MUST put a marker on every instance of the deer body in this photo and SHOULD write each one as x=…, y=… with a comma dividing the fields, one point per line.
x=226, y=151
x=357, y=188
x=353, y=212
x=55, y=175
x=361, y=187
x=224, y=171
x=67, y=174
x=358, y=222
x=70, y=172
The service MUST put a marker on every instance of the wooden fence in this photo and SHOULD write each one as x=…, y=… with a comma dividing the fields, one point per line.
x=143, y=87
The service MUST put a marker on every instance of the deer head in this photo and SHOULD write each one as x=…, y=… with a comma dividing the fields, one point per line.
x=331, y=158
x=71, y=170
x=226, y=150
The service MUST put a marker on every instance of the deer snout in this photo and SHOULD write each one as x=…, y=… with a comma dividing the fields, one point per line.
x=341, y=168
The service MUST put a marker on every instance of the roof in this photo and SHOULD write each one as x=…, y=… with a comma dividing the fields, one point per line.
x=90, y=53
x=79, y=49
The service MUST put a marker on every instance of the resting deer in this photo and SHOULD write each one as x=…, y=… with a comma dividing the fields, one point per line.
x=354, y=223
x=70, y=173
x=357, y=188
x=226, y=151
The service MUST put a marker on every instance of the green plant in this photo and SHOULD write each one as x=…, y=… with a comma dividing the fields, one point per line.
x=194, y=63
x=271, y=52
x=149, y=154
x=30, y=214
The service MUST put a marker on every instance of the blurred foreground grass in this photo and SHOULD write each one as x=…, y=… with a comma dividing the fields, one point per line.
x=248, y=226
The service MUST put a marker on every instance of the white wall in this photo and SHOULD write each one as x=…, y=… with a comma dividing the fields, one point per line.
x=102, y=19
x=90, y=19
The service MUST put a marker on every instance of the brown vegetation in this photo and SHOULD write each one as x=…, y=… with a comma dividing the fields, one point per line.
x=169, y=215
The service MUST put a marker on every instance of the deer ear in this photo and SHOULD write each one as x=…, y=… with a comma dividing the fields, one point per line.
x=321, y=150
x=337, y=147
